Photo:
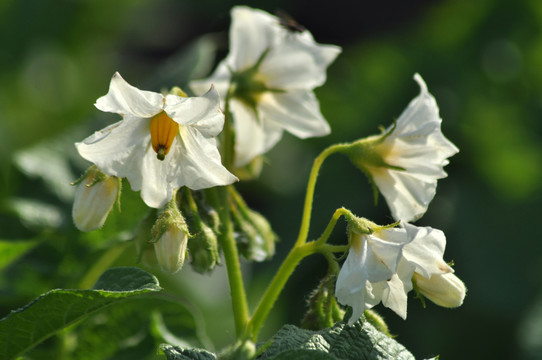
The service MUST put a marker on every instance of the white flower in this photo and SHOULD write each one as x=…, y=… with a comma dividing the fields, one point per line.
x=95, y=195
x=422, y=256
x=372, y=259
x=162, y=142
x=270, y=73
x=412, y=154
x=380, y=267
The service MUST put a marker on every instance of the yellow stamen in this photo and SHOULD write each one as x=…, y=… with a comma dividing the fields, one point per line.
x=163, y=132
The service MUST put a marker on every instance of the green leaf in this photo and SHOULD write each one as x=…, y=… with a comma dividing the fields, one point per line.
x=12, y=250
x=303, y=354
x=130, y=331
x=177, y=353
x=50, y=312
x=360, y=341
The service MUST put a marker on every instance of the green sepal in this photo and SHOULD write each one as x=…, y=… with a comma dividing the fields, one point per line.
x=168, y=216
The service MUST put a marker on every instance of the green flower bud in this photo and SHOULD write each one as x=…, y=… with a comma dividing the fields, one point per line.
x=94, y=198
x=255, y=238
x=203, y=222
x=203, y=247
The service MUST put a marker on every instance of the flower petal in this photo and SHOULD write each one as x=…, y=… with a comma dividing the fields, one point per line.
x=220, y=79
x=297, y=64
x=199, y=165
x=407, y=195
x=386, y=245
x=118, y=149
x=201, y=112
x=298, y=112
x=126, y=99
x=252, y=32
x=426, y=250
x=252, y=137
x=421, y=121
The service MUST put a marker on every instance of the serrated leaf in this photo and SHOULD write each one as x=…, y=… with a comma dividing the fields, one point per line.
x=303, y=354
x=177, y=353
x=50, y=312
x=12, y=250
x=343, y=342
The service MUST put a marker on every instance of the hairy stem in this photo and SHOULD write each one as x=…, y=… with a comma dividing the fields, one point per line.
x=231, y=257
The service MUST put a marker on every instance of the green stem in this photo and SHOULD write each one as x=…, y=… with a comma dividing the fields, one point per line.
x=331, y=225
x=231, y=256
x=277, y=284
x=307, y=210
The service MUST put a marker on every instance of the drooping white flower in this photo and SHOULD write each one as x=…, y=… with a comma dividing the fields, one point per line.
x=373, y=258
x=269, y=76
x=384, y=273
x=162, y=142
x=408, y=159
x=94, y=198
x=421, y=256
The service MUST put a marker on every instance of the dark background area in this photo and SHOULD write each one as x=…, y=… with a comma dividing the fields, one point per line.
x=481, y=60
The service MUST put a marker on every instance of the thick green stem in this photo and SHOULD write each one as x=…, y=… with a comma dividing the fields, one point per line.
x=277, y=284
x=231, y=256
x=307, y=210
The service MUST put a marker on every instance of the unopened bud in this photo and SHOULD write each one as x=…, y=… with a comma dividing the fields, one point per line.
x=170, y=236
x=445, y=290
x=254, y=235
x=94, y=198
x=204, y=254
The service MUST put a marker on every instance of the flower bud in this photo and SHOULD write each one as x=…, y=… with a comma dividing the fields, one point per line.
x=254, y=235
x=170, y=237
x=445, y=290
x=204, y=254
x=95, y=195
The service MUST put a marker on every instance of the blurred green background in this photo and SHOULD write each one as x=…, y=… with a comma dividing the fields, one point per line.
x=482, y=60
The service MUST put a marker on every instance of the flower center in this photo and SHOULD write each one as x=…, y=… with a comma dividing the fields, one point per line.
x=163, y=132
